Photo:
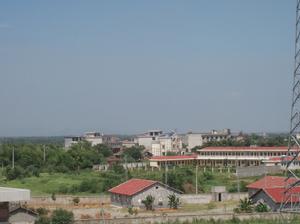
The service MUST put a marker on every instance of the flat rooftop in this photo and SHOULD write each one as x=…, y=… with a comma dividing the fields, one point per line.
x=8, y=194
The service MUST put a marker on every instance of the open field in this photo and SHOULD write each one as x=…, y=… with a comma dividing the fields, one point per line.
x=75, y=183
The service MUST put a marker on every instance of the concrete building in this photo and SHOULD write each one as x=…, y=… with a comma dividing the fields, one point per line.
x=94, y=138
x=180, y=160
x=282, y=162
x=8, y=195
x=199, y=139
x=270, y=191
x=159, y=143
x=275, y=197
x=146, y=139
x=238, y=156
x=268, y=182
x=224, y=157
x=134, y=191
x=128, y=144
x=22, y=215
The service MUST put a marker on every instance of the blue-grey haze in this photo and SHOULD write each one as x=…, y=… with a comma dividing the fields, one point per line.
x=127, y=66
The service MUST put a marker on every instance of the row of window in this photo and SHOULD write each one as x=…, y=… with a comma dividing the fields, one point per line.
x=242, y=153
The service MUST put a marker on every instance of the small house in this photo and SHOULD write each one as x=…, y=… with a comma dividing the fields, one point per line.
x=134, y=191
x=274, y=198
x=268, y=182
x=22, y=215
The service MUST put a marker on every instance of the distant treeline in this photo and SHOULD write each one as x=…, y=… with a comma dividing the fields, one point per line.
x=58, y=140
x=31, y=159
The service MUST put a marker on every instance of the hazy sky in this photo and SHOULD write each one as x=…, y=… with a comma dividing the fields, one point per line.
x=67, y=67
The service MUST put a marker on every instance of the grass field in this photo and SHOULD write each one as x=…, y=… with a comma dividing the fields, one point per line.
x=47, y=183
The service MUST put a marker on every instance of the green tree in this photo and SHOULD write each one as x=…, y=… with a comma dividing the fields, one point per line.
x=173, y=201
x=134, y=153
x=61, y=216
x=148, y=202
x=103, y=149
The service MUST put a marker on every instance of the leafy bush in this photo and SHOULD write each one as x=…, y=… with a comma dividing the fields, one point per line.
x=261, y=207
x=148, y=202
x=245, y=205
x=173, y=201
x=76, y=200
x=61, y=216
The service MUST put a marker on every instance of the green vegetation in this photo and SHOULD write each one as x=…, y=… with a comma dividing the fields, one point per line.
x=173, y=201
x=30, y=159
x=148, y=202
x=90, y=182
x=59, y=216
x=245, y=206
x=238, y=221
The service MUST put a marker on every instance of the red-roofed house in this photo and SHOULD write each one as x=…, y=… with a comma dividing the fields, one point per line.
x=270, y=190
x=268, y=182
x=132, y=192
x=275, y=197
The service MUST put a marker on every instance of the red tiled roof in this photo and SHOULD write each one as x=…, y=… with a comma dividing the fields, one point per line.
x=277, y=194
x=182, y=157
x=249, y=148
x=270, y=182
x=132, y=186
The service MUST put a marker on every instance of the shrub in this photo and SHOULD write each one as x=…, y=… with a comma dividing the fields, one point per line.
x=173, y=201
x=61, y=216
x=148, y=202
x=76, y=200
x=261, y=207
x=43, y=220
x=42, y=211
x=53, y=196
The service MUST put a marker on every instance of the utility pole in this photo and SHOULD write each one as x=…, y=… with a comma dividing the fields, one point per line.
x=166, y=173
x=44, y=149
x=238, y=182
x=126, y=171
x=197, y=179
x=13, y=158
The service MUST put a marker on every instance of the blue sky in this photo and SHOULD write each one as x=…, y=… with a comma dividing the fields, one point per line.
x=127, y=66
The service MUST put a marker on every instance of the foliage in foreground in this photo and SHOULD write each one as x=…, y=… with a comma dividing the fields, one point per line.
x=173, y=201
x=148, y=202
x=235, y=220
x=59, y=216
x=246, y=205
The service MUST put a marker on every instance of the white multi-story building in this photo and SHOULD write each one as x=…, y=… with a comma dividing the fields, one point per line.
x=94, y=138
x=158, y=143
x=146, y=139
x=199, y=139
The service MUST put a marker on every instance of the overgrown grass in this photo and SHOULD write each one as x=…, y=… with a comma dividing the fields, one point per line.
x=293, y=220
x=88, y=182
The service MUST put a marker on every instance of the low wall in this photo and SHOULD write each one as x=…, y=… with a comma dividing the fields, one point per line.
x=66, y=200
x=183, y=218
x=185, y=198
x=207, y=198
x=196, y=198
x=251, y=171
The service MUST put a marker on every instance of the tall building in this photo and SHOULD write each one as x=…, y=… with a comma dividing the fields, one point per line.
x=199, y=139
x=94, y=138
x=159, y=143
